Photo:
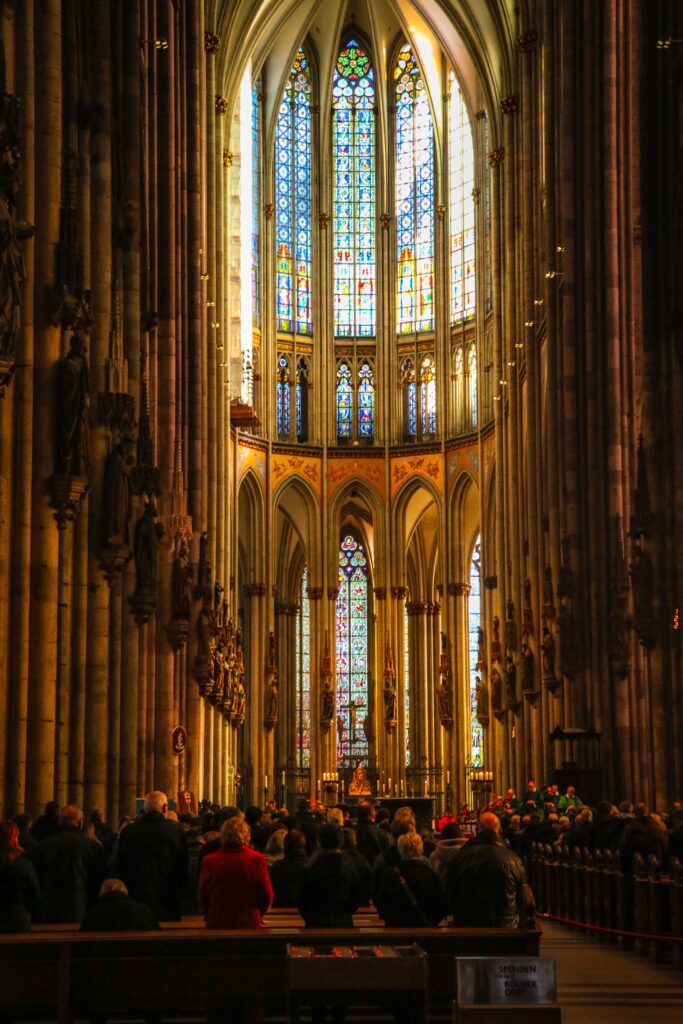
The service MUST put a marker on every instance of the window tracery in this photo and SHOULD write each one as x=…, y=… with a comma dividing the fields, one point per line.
x=303, y=676
x=414, y=198
x=474, y=623
x=352, y=652
x=293, y=232
x=462, y=205
x=353, y=102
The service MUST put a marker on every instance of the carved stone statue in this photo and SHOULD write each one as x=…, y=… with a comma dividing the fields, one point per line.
x=511, y=680
x=496, y=689
x=481, y=650
x=327, y=710
x=548, y=659
x=495, y=640
x=340, y=726
x=272, y=702
x=528, y=669
x=359, y=784
x=444, y=700
x=367, y=727
x=548, y=595
x=148, y=533
x=181, y=582
x=116, y=502
x=510, y=628
x=12, y=232
x=389, y=694
x=481, y=701
x=73, y=394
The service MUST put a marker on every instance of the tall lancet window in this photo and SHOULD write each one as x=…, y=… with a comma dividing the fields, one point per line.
x=414, y=198
x=344, y=401
x=472, y=367
x=366, y=401
x=352, y=652
x=256, y=205
x=406, y=677
x=293, y=202
x=428, y=396
x=461, y=169
x=355, y=265
x=282, y=396
x=474, y=622
x=303, y=676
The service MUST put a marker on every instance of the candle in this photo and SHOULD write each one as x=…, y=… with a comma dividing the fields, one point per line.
x=319, y=787
x=448, y=778
x=265, y=782
x=284, y=780
x=390, y=786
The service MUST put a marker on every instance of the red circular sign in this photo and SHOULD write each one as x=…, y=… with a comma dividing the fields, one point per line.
x=179, y=737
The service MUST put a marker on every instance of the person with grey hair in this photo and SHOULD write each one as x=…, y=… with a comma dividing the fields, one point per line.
x=150, y=856
x=409, y=894
x=70, y=868
x=117, y=912
x=485, y=882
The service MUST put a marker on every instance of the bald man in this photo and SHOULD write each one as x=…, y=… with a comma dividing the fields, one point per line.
x=485, y=880
x=151, y=858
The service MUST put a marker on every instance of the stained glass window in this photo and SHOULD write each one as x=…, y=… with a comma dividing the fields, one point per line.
x=472, y=365
x=428, y=395
x=344, y=401
x=409, y=398
x=302, y=400
x=366, y=400
x=461, y=169
x=282, y=397
x=406, y=676
x=293, y=202
x=353, y=120
x=458, y=380
x=414, y=198
x=352, y=652
x=256, y=205
x=474, y=622
x=303, y=677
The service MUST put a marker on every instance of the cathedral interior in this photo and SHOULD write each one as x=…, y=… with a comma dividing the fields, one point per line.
x=340, y=360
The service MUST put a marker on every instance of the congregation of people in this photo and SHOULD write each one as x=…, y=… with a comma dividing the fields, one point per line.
x=325, y=863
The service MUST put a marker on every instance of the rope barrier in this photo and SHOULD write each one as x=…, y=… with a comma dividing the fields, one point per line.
x=613, y=931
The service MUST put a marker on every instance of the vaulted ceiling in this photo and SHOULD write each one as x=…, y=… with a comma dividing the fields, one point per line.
x=475, y=36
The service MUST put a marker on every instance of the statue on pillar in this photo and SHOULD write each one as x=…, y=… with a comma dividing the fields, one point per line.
x=272, y=695
x=511, y=680
x=148, y=533
x=548, y=595
x=495, y=640
x=73, y=397
x=182, y=582
x=550, y=680
x=642, y=585
x=496, y=690
x=481, y=702
x=116, y=504
x=389, y=695
x=510, y=628
x=528, y=670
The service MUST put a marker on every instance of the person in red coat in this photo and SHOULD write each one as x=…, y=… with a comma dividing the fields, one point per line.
x=234, y=884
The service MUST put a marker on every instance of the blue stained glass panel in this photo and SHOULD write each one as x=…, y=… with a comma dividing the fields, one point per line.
x=414, y=198
x=293, y=237
x=353, y=222
x=352, y=652
x=366, y=401
x=344, y=401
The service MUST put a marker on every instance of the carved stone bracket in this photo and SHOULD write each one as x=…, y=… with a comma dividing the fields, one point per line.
x=177, y=632
x=496, y=156
x=221, y=105
x=531, y=697
x=211, y=42
x=68, y=493
x=509, y=104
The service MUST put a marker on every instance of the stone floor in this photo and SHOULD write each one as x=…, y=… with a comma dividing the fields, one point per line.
x=599, y=984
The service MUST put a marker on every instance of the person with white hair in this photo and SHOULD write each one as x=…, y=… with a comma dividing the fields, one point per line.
x=150, y=856
x=117, y=912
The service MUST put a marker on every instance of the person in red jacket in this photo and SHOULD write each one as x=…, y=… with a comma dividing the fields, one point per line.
x=234, y=884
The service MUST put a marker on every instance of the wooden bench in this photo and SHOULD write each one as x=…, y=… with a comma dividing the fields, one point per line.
x=182, y=970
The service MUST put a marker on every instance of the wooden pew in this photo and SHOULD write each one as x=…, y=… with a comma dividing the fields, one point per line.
x=185, y=970
x=676, y=909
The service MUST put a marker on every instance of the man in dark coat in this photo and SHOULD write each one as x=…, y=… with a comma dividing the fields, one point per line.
x=71, y=868
x=484, y=882
x=329, y=893
x=151, y=858
x=117, y=912
x=371, y=841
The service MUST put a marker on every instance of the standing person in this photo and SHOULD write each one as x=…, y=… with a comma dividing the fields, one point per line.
x=150, y=856
x=410, y=894
x=286, y=874
x=371, y=841
x=484, y=882
x=19, y=888
x=71, y=868
x=234, y=884
x=329, y=893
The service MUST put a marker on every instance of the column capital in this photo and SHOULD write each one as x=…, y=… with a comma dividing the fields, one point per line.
x=399, y=593
x=380, y=593
x=254, y=589
x=314, y=593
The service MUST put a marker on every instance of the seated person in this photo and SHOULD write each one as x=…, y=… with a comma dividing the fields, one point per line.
x=484, y=882
x=117, y=912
